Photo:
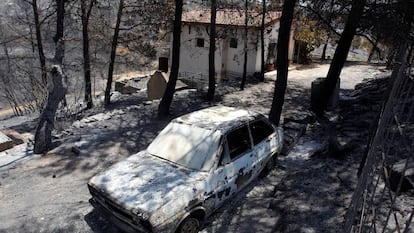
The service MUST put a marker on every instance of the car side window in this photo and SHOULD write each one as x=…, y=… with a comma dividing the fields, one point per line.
x=238, y=142
x=260, y=130
x=224, y=154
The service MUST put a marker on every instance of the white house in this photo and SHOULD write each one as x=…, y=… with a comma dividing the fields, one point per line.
x=229, y=55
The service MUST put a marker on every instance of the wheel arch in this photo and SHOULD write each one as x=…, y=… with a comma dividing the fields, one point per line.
x=198, y=212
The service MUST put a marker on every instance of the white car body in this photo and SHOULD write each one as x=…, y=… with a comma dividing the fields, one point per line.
x=196, y=163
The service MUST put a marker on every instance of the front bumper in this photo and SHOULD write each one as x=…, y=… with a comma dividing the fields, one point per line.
x=118, y=216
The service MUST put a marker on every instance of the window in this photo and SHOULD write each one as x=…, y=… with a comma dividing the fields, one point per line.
x=233, y=43
x=260, y=130
x=272, y=52
x=238, y=142
x=224, y=157
x=200, y=42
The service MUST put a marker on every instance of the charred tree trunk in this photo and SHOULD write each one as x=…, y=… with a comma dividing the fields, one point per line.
x=60, y=18
x=8, y=90
x=86, y=13
x=39, y=41
x=390, y=59
x=401, y=59
x=58, y=38
x=262, y=32
x=410, y=56
x=341, y=53
x=113, y=54
x=325, y=46
x=43, y=135
x=282, y=61
x=30, y=27
x=211, y=55
x=57, y=92
x=374, y=49
x=246, y=20
x=164, y=107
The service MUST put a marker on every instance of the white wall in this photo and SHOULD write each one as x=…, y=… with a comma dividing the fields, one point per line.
x=227, y=60
x=192, y=58
x=235, y=56
x=270, y=37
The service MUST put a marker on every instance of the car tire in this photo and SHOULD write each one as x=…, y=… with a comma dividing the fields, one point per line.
x=189, y=225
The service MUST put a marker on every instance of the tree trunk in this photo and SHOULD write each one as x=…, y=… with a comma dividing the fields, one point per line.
x=30, y=27
x=43, y=135
x=164, y=107
x=282, y=61
x=42, y=57
x=86, y=12
x=341, y=53
x=401, y=59
x=113, y=54
x=211, y=55
x=60, y=17
x=390, y=59
x=325, y=46
x=262, y=30
x=8, y=90
x=246, y=20
x=374, y=49
x=410, y=56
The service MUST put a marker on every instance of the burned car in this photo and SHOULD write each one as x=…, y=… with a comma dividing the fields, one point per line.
x=196, y=162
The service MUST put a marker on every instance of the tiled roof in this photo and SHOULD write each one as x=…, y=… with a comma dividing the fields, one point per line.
x=231, y=17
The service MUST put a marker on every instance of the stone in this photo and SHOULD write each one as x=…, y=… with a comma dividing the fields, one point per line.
x=404, y=170
x=5, y=142
x=299, y=117
x=291, y=125
x=75, y=150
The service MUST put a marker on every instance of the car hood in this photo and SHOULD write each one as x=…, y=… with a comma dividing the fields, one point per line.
x=144, y=183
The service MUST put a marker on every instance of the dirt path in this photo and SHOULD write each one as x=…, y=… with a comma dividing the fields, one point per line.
x=49, y=194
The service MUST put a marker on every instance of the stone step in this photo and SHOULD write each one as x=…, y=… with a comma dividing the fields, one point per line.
x=5, y=142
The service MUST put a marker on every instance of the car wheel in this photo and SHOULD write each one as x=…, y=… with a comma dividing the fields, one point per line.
x=189, y=225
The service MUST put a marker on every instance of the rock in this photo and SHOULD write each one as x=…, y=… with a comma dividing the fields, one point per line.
x=15, y=136
x=299, y=117
x=295, y=126
x=290, y=138
x=401, y=170
x=5, y=142
x=130, y=86
x=75, y=150
x=124, y=88
x=148, y=102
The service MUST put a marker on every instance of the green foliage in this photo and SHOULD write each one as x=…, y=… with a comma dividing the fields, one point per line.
x=310, y=33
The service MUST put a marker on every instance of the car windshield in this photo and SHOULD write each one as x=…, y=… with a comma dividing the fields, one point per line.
x=187, y=145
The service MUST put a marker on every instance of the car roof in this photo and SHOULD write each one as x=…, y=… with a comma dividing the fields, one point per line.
x=221, y=118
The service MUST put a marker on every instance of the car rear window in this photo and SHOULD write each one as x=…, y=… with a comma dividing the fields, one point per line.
x=260, y=130
x=187, y=145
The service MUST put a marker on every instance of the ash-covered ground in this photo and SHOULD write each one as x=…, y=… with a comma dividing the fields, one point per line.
x=307, y=191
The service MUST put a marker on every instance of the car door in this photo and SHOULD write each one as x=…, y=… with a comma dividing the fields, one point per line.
x=264, y=140
x=234, y=169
